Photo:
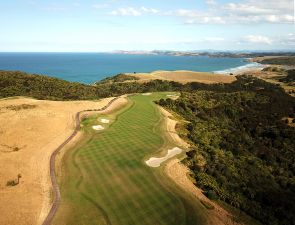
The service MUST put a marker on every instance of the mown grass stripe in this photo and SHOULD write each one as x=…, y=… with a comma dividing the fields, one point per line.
x=115, y=176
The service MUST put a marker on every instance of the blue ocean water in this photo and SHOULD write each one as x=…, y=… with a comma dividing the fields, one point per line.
x=91, y=67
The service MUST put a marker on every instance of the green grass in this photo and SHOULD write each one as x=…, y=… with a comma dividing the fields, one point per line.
x=105, y=179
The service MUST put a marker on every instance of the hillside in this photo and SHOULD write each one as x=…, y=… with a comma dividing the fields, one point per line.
x=243, y=150
x=183, y=76
x=15, y=83
x=279, y=60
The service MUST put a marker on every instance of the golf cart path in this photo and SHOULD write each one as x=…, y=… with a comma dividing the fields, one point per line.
x=56, y=189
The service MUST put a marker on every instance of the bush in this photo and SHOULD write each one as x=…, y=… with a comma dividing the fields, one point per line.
x=11, y=183
x=211, y=195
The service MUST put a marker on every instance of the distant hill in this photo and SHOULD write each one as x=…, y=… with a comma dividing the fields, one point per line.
x=15, y=83
x=117, y=78
x=284, y=60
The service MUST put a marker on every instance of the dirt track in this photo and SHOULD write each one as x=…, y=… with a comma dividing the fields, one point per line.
x=56, y=190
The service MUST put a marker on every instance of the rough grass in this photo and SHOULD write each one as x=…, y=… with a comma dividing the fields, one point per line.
x=106, y=180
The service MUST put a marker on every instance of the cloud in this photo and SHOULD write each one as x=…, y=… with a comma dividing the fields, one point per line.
x=245, y=12
x=279, y=40
x=100, y=6
x=55, y=8
x=194, y=17
x=149, y=10
x=130, y=11
x=248, y=9
x=214, y=39
x=288, y=40
x=211, y=2
x=257, y=39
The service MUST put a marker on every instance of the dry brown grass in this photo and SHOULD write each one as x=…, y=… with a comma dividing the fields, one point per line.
x=35, y=132
x=259, y=59
x=183, y=76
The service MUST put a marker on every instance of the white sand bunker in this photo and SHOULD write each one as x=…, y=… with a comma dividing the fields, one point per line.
x=173, y=97
x=97, y=127
x=146, y=93
x=104, y=120
x=156, y=162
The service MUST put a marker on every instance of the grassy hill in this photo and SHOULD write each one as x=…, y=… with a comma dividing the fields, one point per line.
x=284, y=60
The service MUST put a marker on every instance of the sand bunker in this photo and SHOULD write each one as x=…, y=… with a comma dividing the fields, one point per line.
x=146, y=93
x=97, y=127
x=105, y=121
x=173, y=97
x=156, y=162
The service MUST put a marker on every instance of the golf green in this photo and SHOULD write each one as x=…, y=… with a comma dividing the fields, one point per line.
x=105, y=179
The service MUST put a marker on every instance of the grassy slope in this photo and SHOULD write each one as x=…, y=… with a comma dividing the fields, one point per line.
x=107, y=181
x=287, y=60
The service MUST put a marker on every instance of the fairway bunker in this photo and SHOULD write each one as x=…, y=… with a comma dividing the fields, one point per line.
x=97, y=127
x=156, y=162
x=173, y=97
x=146, y=93
x=104, y=120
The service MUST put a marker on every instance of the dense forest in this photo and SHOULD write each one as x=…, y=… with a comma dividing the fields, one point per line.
x=243, y=150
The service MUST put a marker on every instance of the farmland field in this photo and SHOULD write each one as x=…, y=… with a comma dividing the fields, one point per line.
x=104, y=179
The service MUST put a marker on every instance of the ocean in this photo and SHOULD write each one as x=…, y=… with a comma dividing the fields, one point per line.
x=90, y=67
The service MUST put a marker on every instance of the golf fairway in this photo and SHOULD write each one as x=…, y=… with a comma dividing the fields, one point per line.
x=105, y=180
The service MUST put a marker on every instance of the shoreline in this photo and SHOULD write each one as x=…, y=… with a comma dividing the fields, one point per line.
x=251, y=66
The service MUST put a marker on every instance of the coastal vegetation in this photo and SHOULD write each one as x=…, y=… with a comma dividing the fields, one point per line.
x=289, y=78
x=117, y=78
x=15, y=83
x=281, y=60
x=243, y=152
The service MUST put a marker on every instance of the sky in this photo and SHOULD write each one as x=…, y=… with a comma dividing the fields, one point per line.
x=109, y=25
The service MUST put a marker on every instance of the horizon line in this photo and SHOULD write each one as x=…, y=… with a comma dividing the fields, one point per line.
x=160, y=50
